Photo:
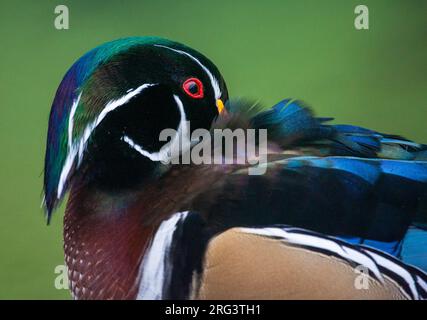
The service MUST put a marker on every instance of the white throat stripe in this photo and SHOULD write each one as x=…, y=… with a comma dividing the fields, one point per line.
x=170, y=148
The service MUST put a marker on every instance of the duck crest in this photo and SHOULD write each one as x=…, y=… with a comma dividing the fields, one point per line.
x=66, y=136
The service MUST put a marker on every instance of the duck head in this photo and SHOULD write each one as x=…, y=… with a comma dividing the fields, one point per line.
x=111, y=106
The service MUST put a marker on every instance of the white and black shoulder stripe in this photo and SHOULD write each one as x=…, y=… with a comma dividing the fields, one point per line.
x=174, y=255
x=412, y=281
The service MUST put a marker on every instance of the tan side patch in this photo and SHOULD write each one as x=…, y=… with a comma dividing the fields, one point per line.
x=239, y=265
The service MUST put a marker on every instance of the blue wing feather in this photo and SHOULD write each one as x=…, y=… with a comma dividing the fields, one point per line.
x=292, y=124
x=394, y=170
x=414, y=248
x=398, y=189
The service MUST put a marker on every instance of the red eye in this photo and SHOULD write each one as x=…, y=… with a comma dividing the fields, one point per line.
x=193, y=87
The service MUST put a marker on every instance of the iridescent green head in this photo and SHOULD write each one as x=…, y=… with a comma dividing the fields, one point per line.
x=112, y=105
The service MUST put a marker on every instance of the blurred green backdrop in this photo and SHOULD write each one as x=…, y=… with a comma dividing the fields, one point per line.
x=266, y=50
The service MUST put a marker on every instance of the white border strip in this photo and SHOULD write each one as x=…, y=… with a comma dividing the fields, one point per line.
x=79, y=146
x=156, y=267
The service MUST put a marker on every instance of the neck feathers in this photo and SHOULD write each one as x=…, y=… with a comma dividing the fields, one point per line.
x=114, y=250
x=103, y=247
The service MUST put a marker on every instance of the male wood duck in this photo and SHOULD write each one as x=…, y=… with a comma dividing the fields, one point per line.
x=335, y=203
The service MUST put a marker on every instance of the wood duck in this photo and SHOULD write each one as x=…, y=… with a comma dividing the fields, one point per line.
x=335, y=199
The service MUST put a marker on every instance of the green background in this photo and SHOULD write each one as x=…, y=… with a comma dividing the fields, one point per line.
x=266, y=50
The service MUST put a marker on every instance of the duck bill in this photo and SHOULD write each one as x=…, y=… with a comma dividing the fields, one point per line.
x=220, y=106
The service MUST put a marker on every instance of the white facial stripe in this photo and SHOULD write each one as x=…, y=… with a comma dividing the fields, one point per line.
x=214, y=81
x=153, y=156
x=183, y=130
x=71, y=120
x=164, y=154
x=114, y=104
x=79, y=146
x=66, y=170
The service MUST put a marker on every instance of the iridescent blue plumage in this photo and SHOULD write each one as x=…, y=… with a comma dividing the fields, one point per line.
x=292, y=123
x=386, y=175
